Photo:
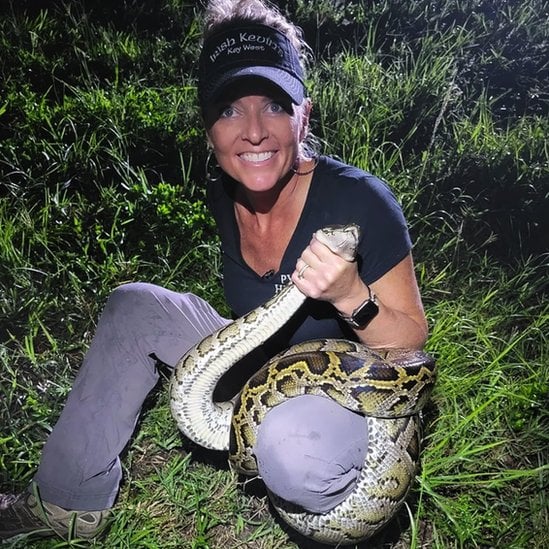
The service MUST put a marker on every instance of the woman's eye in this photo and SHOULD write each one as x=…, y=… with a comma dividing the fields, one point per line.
x=276, y=107
x=226, y=112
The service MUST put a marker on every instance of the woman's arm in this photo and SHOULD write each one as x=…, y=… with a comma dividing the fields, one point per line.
x=400, y=322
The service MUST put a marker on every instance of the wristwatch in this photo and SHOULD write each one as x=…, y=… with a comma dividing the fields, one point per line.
x=364, y=313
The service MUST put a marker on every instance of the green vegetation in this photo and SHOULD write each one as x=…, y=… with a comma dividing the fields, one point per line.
x=102, y=163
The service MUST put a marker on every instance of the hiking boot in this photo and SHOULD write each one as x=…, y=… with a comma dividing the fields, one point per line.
x=25, y=514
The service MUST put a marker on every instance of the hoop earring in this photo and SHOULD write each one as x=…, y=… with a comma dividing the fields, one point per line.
x=213, y=170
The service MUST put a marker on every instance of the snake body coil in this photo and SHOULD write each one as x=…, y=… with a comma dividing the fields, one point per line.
x=389, y=388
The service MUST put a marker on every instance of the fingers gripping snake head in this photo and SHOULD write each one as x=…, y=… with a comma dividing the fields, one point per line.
x=341, y=239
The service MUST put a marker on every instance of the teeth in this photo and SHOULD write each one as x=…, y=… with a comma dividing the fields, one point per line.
x=257, y=157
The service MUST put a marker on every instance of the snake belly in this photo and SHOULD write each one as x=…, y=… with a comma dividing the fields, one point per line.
x=389, y=388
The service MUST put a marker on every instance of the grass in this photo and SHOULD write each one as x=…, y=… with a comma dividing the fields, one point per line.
x=102, y=165
x=493, y=389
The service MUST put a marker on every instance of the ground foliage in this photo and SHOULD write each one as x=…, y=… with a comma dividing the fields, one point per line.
x=102, y=163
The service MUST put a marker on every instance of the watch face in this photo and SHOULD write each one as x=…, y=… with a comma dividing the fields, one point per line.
x=366, y=313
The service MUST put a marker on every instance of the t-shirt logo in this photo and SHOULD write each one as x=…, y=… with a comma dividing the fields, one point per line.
x=285, y=279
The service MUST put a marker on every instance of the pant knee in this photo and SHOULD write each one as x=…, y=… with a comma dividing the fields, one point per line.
x=310, y=451
x=132, y=293
x=158, y=321
x=135, y=299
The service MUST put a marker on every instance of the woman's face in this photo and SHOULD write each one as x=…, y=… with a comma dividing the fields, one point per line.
x=256, y=135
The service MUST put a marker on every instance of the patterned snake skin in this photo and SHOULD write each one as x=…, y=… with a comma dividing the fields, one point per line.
x=389, y=388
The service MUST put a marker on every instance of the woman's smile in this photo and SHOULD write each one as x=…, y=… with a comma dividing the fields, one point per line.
x=256, y=137
x=257, y=157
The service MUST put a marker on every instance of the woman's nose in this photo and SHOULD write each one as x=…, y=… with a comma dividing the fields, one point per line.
x=255, y=129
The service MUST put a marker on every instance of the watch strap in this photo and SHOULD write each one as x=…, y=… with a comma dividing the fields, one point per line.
x=364, y=313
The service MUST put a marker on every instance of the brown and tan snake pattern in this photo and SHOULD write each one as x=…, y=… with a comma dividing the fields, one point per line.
x=389, y=388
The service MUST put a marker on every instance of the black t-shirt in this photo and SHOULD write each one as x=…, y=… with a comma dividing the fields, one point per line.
x=339, y=194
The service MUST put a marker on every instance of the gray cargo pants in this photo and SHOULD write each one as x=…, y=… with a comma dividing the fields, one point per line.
x=313, y=463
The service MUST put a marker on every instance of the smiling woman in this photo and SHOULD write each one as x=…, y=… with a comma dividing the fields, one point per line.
x=255, y=136
x=271, y=197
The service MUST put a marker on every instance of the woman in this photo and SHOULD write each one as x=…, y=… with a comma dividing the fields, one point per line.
x=270, y=196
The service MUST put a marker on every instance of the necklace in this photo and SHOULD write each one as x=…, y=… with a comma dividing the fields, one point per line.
x=311, y=170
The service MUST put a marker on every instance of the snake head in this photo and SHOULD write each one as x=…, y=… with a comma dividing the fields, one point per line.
x=341, y=239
